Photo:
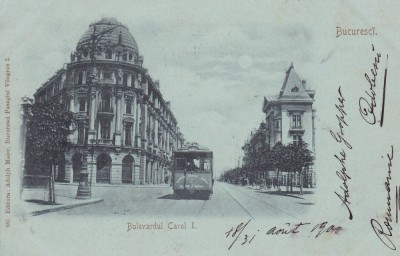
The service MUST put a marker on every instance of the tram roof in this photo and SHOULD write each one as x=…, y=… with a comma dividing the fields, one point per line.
x=192, y=148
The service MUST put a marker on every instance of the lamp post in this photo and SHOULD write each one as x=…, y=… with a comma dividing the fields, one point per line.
x=84, y=187
x=92, y=142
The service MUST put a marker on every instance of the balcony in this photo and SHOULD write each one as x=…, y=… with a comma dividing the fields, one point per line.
x=106, y=81
x=105, y=111
x=296, y=130
x=106, y=141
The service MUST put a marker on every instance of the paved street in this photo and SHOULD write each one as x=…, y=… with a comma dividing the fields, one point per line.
x=227, y=201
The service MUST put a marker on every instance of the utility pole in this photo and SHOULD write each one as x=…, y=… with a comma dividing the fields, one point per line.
x=84, y=187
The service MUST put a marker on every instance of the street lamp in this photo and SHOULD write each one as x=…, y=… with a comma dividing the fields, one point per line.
x=84, y=187
x=93, y=142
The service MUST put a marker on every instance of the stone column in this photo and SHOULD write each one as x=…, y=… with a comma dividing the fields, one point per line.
x=144, y=125
x=156, y=142
x=92, y=132
x=137, y=132
x=136, y=176
x=118, y=118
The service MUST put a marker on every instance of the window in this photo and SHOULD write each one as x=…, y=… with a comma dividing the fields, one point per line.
x=296, y=138
x=125, y=79
x=277, y=124
x=296, y=121
x=206, y=164
x=105, y=129
x=81, y=133
x=106, y=103
x=80, y=77
x=132, y=81
x=85, y=53
x=124, y=57
x=82, y=103
x=128, y=109
x=109, y=54
x=128, y=134
x=180, y=163
x=107, y=74
x=130, y=56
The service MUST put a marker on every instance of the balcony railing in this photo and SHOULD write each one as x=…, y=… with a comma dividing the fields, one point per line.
x=106, y=141
x=106, y=110
x=106, y=81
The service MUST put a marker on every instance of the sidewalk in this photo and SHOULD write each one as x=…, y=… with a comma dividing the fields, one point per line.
x=34, y=201
x=307, y=192
x=161, y=185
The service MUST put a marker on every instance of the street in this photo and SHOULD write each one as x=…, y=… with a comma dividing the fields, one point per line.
x=227, y=201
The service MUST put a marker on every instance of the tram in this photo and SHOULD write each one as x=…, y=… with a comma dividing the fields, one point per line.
x=192, y=171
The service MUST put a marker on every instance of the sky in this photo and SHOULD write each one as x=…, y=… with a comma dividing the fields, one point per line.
x=215, y=62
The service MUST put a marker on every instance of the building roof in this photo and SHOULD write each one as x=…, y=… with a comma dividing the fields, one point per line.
x=293, y=90
x=293, y=87
x=118, y=32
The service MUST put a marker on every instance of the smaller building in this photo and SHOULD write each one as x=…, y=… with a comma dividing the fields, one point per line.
x=290, y=117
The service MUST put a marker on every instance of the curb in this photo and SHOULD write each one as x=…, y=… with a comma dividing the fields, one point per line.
x=65, y=207
x=118, y=185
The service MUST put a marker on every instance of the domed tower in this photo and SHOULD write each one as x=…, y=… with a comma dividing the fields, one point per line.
x=109, y=40
x=119, y=110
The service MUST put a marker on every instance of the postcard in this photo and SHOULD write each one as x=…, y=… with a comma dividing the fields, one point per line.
x=199, y=127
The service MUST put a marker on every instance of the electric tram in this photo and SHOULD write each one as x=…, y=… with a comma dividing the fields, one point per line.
x=192, y=172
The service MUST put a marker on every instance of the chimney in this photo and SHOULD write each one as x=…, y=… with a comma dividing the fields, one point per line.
x=157, y=84
x=303, y=82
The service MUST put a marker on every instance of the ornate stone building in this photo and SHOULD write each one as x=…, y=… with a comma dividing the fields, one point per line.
x=290, y=117
x=121, y=115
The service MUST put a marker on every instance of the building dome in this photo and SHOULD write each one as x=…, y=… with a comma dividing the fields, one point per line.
x=117, y=35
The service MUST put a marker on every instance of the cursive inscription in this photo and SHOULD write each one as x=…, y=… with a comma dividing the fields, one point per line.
x=235, y=232
x=367, y=104
x=341, y=157
x=243, y=235
x=385, y=233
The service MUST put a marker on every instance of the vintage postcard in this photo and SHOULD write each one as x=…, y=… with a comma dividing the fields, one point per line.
x=199, y=127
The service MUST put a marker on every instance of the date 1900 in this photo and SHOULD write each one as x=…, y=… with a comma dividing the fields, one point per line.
x=248, y=236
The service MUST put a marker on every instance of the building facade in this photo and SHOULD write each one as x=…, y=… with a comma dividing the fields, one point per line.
x=290, y=117
x=121, y=117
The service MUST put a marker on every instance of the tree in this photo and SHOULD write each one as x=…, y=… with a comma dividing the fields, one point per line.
x=301, y=158
x=47, y=131
x=279, y=158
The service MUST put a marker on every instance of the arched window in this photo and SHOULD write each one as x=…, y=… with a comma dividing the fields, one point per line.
x=127, y=169
x=80, y=77
x=103, y=166
x=109, y=54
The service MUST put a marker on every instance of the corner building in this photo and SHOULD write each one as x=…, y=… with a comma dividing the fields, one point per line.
x=290, y=117
x=121, y=115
